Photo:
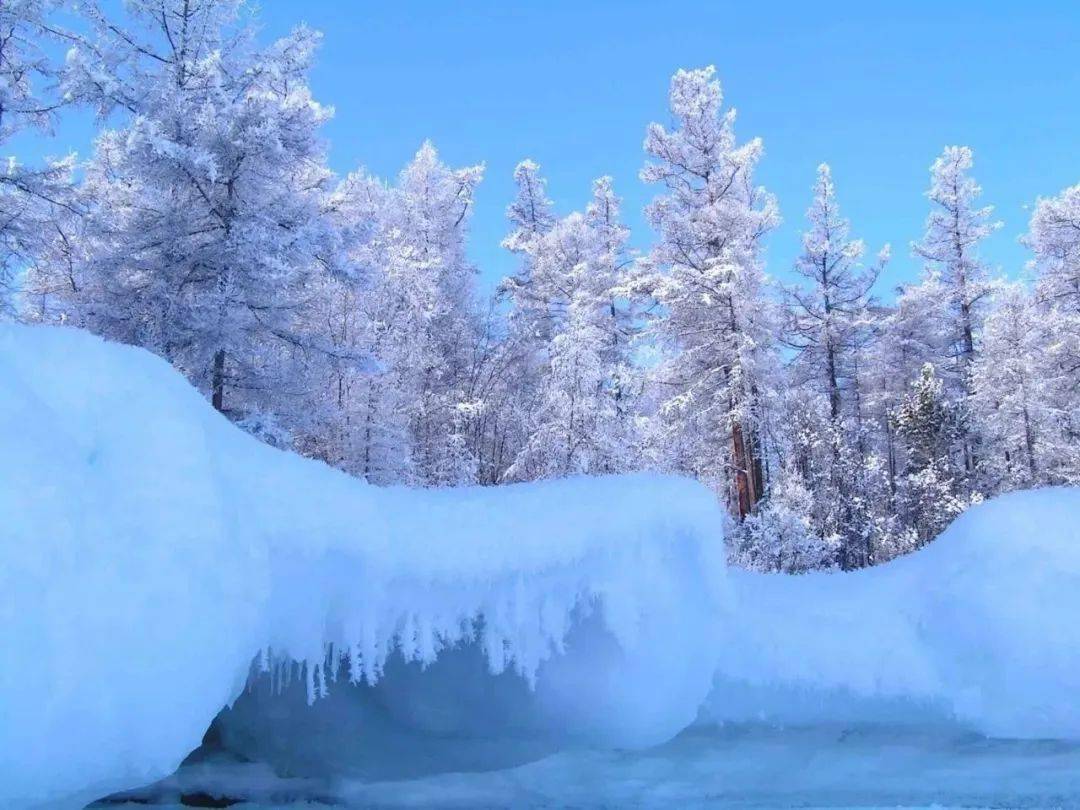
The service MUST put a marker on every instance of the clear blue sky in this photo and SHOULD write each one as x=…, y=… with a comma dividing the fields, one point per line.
x=876, y=89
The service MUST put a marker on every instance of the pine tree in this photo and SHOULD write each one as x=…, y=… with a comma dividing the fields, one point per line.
x=929, y=427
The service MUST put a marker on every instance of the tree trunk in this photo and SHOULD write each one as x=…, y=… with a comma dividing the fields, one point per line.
x=217, y=397
x=745, y=490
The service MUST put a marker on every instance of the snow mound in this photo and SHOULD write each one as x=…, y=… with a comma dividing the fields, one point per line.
x=981, y=628
x=150, y=550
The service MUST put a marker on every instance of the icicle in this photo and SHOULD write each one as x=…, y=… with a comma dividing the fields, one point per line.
x=309, y=672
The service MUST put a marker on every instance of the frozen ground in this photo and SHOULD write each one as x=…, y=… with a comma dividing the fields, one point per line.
x=735, y=766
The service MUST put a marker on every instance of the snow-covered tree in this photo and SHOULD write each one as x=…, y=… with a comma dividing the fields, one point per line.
x=207, y=204
x=407, y=419
x=31, y=198
x=828, y=314
x=780, y=536
x=1054, y=237
x=708, y=281
x=955, y=229
x=1013, y=401
x=428, y=269
x=582, y=420
x=929, y=426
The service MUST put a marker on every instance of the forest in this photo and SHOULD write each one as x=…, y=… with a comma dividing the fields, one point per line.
x=839, y=424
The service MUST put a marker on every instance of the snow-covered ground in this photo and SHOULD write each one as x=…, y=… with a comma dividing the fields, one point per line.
x=150, y=552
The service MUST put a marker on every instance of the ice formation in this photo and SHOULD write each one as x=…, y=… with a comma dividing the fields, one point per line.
x=150, y=552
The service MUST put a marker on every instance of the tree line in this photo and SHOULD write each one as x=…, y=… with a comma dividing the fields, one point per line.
x=340, y=317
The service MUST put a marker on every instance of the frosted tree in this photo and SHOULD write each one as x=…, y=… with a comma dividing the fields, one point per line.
x=359, y=420
x=206, y=214
x=612, y=284
x=929, y=427
x=828, y=314
x=780, y=536
x=909, y=335
x=582, y=420
x=430, y=272
x=955, y=229
x=1054, y=237
x=519, y=357
x=829, y=329
x=531, y=216
x=708, y=281
x=407, y=419
x=31, y=198
x=1013, y=401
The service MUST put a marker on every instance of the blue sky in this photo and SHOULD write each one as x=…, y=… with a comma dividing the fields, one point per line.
x=875, y=89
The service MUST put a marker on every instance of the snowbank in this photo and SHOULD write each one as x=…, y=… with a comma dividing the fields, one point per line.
x=980, y=628
x=149, y=550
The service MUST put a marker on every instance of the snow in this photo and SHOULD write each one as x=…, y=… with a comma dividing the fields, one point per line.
x=980, y=628
x=151, y=551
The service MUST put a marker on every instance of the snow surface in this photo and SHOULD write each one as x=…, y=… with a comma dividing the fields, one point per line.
x=981, y=628
x=150, y=551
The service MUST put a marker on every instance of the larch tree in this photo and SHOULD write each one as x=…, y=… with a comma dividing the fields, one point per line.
x=1054, y=238
x=31, y=198
x=828, y=328
x=429, y=271
x=520, y=358
x=828, y=312
x=1012, y=402
x=581, y=422
x=207, y=206
x=955, y=229
x=707, y=280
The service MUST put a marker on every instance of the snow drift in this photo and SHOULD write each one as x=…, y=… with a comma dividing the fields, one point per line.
x=150, y=550
x=150, y=553
x=981, y=628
